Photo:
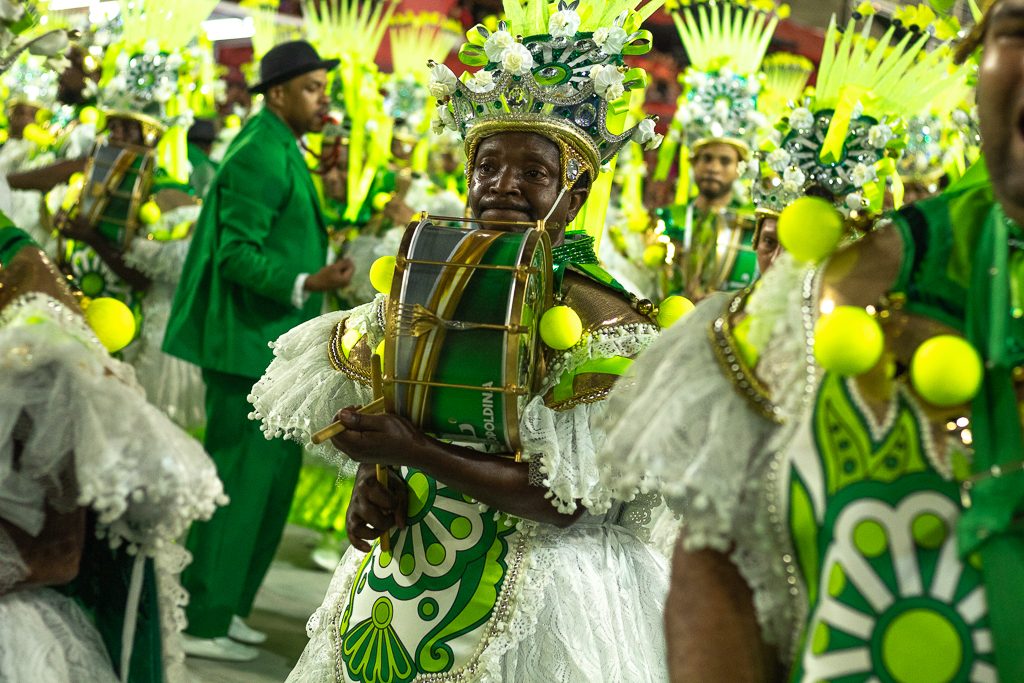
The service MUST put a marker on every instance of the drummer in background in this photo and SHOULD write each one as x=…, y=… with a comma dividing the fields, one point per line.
x=496, y=568
x=255, y=269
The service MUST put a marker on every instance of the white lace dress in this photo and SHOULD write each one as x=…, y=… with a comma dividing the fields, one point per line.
x=173, y=385
x=682, y=427
x=798, y=479
x=468, y=593
x=87, y=438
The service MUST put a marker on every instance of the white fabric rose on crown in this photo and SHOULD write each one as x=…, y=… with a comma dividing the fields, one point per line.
x=481, y=81
x=793, y=179
x=778, y=160
x=564, y=24
x=444, y=120
x=645, y=136
x=496, y=45
x=880, y=135
x=442, y=82
x=517, y=60
x=863, y=175
x=608, y=82
x=801, y=118
x=611, y=40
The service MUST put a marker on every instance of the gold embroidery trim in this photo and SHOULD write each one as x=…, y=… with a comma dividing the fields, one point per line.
x=338, y=360
x=738, y=373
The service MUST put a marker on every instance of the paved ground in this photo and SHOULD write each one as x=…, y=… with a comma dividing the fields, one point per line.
x=293, y=589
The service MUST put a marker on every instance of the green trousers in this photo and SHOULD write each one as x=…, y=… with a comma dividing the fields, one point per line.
x=232, y=552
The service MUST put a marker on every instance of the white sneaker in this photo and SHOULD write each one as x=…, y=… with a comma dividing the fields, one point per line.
x=223, y=649
x=244, y=633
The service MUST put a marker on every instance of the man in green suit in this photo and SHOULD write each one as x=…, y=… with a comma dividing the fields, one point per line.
x=254, y=271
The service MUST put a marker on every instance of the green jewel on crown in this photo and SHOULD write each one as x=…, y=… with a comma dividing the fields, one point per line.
x=146, y=81
x=800, y=160
x=849, y=133
x=565, y=82
x=720, y=105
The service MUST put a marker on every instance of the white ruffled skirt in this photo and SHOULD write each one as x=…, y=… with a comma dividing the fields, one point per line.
x=589, y=608
x=46, y=638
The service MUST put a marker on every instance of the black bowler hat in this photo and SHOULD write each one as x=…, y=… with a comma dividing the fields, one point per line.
x=202, y=132
x=286, y=61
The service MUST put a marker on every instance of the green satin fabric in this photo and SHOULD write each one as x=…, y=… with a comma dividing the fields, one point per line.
x=988, y=526
x=12, y=240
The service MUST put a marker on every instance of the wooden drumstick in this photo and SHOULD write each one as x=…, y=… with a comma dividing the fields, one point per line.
x=377, y=384
x=375, y=407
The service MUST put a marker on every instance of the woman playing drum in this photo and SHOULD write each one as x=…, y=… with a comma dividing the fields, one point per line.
x=496, y=567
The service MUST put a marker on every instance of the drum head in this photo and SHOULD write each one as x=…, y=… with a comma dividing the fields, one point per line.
x=462, y=330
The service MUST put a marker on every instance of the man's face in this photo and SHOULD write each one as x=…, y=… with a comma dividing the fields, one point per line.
x=518, y=177
x=715, y=169
x=124, y=131
x=18, y=117
x=336, y=177
x=450, y=162
x=768, y=247
x=302, y=102
x=1001, y=104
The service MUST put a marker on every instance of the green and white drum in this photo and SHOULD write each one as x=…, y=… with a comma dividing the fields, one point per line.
x=118, y=178
x=462, y=329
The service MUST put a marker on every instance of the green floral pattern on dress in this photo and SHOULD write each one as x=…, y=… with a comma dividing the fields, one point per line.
x=441, y=582
x=873, y=527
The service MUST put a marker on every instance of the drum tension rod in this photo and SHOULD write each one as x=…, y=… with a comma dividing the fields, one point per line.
x=417, y=320
x=401, y=261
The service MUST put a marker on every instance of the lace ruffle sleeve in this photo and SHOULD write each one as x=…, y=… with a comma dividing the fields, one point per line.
x=88, y=437
x=561, y=442
x=163, y=260
x=688, y=422
x=311, y=377
x=677, y=426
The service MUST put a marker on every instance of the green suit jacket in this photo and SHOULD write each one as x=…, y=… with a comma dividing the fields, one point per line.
x=259, y=229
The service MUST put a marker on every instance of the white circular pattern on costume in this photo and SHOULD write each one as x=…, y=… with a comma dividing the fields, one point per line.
x=884, y=610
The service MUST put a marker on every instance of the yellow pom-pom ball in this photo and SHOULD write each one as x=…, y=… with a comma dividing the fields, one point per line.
x=381, y=201
x=655, y=255
x=89, y=115
x=37, y=135
x=232, y=121
x=381, y=273
x=672, y=309
x=561, y=328
x=149, y=213
x=946, y=371
x=76, y=181
x=112, y=321
x=810, y=229
x=379, y=352
x=74, y=191
x=848, y=341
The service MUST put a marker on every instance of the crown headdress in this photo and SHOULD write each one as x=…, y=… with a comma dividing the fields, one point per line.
x=557, y=73
x=353, y=33
x=726, y=42
x=144, y=73
x=31, y=81
x=847, y=136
